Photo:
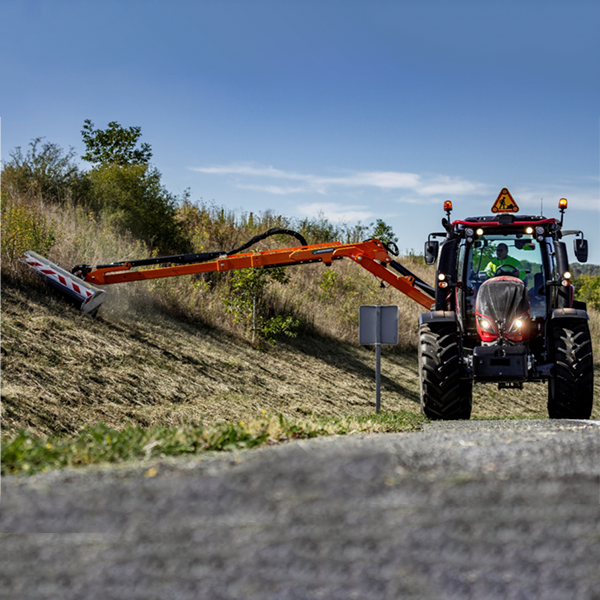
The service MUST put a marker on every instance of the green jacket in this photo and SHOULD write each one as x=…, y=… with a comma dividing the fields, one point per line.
x=490, y=270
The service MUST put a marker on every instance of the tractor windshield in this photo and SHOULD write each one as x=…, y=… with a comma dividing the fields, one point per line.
x=515, y=255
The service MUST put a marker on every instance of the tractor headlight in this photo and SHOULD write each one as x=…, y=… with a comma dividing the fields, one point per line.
x=518, y=325
x=485, y=324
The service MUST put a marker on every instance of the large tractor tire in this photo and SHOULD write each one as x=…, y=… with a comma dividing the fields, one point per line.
x=571, y=387
x=444, y=395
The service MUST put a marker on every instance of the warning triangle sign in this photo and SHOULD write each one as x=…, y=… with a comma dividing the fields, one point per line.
x=504, y=203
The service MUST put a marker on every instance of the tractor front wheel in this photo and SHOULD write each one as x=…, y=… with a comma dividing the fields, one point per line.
x=444, y=395
x=571, y=387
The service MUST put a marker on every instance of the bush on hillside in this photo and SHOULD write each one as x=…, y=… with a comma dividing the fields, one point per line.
x=128, y=194
x=44, y=171
x=587, y=289
x=133, y=199
x=126, y=188
x=24, y=226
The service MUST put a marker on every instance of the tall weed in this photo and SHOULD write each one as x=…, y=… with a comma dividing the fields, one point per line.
x=25, y=226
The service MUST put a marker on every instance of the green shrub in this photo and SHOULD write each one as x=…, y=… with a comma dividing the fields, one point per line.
x=133, y=198
x=45, y=171
x=248, y=306
x=24, y=227
x=587, y=289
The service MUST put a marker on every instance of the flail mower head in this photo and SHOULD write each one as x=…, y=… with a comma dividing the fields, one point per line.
x=87, y=297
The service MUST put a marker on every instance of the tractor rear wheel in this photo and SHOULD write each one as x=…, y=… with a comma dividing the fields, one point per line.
x=444, y=395
x=571, y=388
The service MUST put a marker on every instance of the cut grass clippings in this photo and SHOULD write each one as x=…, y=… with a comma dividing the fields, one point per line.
x=26, y=453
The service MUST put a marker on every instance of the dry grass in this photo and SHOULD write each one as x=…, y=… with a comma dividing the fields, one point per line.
x=62, y=371
x=165, y=353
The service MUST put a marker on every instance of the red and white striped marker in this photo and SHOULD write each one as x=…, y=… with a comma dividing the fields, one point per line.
x=91, y=297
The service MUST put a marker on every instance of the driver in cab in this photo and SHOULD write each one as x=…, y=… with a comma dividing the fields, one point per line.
x=512, y=265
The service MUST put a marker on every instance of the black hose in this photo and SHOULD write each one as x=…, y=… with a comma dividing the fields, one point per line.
x=182, y=259
x=266, y=234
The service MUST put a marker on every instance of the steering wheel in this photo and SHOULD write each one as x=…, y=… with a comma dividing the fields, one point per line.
x=506, y=270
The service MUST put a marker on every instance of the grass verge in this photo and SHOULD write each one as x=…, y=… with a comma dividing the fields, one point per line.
x=25, y=453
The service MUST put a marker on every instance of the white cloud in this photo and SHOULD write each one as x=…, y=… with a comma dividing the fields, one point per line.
x=335, y=212
x=274, y=189
x=421, y=185
x=380, y=179
x=240, y=169
x=450, y=186
x=580, y=198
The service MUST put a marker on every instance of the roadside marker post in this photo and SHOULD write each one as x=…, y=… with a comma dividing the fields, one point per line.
x=378, y=325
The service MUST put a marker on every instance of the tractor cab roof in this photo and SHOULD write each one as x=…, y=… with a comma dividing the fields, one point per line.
x=505, y=219
x=506, y=224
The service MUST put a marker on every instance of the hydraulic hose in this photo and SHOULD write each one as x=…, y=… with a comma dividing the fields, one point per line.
x=266, y=234
x=182, y=259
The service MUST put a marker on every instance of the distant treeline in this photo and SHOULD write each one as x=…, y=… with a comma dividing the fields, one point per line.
x=578, y=269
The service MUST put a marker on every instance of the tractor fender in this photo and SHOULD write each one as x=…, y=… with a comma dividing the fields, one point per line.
x=437, y=316
x=569, y=313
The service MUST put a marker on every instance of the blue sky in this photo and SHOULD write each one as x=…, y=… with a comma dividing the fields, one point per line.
x=357, y=110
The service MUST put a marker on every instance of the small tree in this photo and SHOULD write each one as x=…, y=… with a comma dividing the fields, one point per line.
x=247, y=304
x=114, y=145
x=128, y=189
x=383, y=232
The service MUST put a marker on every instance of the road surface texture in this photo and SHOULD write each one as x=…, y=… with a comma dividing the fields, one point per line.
x=494, y=509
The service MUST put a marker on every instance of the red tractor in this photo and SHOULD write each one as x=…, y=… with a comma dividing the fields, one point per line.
x=505, y=313
x=501, y=309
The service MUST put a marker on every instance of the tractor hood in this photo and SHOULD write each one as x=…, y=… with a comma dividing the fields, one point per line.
x=502, y=300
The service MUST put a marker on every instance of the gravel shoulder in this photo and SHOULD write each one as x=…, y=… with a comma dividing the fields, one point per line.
x=483, y=509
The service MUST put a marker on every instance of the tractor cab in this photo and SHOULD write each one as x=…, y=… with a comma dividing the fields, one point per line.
x=502, y=292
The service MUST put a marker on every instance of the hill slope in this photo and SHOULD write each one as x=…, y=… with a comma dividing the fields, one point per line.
x=62, y=370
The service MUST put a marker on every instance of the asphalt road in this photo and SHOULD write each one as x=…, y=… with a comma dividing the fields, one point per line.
x=496, y=509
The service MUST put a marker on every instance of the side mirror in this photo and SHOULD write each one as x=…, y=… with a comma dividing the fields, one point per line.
x=431, y=251
x=581, y=249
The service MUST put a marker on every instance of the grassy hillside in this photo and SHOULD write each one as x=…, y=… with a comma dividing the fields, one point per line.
x=168, y=354
x=62, y=370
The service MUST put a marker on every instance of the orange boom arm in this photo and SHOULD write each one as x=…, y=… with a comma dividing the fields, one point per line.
x=371, y=255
